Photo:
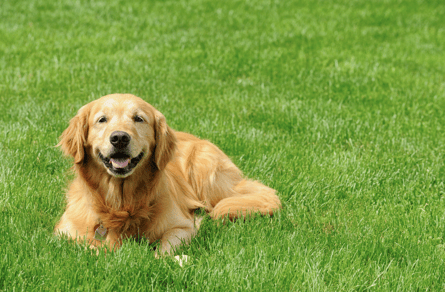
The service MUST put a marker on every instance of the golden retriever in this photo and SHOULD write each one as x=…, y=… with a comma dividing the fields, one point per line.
x=135, y=176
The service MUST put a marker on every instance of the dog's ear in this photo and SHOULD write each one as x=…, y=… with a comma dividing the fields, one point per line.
x=165, y=141
x=73, y=139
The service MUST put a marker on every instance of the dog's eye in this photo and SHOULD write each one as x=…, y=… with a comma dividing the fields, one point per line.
x=102, y=120
x=138, y=119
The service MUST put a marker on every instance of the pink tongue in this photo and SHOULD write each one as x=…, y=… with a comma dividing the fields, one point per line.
x=119, y=163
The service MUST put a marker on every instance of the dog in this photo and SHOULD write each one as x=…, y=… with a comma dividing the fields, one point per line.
x=137, y=177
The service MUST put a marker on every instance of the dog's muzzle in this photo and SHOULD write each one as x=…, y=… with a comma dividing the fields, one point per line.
x=120, y=162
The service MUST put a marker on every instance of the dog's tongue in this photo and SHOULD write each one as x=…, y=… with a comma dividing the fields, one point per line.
x=120, y=163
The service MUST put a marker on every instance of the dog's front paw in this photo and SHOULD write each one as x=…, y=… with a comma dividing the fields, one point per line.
x=182, y=260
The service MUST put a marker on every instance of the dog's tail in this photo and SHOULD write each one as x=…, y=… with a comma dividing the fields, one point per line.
x=249, y=197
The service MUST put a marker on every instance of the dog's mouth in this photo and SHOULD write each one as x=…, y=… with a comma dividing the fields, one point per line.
x=120, y=163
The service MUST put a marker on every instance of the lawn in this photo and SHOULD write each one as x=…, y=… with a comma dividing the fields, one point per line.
x=338, y=105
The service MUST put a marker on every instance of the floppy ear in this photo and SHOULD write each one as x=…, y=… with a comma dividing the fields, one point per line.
x=73, y=139
x=165, y=141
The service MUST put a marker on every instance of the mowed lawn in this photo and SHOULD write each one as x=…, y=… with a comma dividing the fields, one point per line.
x=338, y=105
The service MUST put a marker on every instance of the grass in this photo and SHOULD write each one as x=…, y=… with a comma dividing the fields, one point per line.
x=339, y=105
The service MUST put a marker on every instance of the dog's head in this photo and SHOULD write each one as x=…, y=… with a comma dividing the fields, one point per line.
x=120, y=132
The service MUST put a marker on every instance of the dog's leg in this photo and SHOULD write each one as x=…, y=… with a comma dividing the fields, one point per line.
x=175, y=237
x=250, y=197
x=220, y=185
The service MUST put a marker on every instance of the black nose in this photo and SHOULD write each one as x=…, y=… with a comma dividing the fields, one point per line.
x=120, y=139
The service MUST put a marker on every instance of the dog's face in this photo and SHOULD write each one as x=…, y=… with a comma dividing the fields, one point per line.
x=120, y=132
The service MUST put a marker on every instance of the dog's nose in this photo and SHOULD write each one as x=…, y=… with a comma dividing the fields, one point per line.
x=120, y=139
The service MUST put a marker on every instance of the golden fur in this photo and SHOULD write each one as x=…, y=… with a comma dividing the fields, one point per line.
x=178, y=173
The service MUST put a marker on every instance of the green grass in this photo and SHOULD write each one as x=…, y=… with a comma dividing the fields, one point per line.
x=339, y=105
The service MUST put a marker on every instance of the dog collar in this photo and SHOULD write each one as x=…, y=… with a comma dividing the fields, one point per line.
x=100, y=233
